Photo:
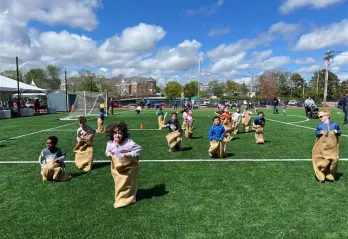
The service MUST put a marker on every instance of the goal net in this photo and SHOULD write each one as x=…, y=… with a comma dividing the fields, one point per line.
x=87, y=104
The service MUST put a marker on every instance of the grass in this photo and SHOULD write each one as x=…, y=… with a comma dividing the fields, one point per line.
x=177, y=199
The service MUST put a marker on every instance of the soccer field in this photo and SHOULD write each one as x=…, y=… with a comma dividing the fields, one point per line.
x=258, y=191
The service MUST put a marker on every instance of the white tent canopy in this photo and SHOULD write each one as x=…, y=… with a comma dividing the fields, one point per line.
x=7, y=84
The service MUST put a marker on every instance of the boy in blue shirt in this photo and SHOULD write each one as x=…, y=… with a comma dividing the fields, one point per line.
x=258, y=125
x=325, y=151
x=101, y=127
x=216, y=135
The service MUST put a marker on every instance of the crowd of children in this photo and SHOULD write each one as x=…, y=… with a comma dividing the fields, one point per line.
x=124, y=152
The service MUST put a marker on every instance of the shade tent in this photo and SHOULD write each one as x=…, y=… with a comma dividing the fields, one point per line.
x=9, y=85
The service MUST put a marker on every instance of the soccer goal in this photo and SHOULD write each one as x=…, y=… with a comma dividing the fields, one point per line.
x=87, y=103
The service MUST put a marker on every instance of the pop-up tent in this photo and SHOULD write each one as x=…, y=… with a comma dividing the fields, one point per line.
x=9, y=85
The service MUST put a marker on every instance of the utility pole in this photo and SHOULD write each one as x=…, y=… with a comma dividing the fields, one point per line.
x=328, y=56
x=199, y=82
x=252, y=83
x=66, y=93
x=18, y=93
x=318, y=82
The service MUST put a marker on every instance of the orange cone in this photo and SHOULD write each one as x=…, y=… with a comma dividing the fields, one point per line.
x=141, y=126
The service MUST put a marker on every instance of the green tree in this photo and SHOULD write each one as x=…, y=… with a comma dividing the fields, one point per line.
x=53, y=77
x=298, y=83
x=38, y=76
x=158, y=89
x=87, y=81
x=232, y=87
x=217, y=88
x=317, y=84
x=191, y=89
x=172, y=90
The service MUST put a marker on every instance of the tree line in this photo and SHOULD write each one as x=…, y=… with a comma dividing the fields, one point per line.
x=268, y=85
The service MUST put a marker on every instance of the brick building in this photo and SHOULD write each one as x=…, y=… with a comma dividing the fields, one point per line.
x=136, y=87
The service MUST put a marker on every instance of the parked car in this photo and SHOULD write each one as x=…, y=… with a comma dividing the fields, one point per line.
x=293, y=103
x=114, y=104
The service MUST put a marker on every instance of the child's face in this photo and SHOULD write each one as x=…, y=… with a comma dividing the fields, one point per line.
x=174, y=117
x=82, y=124
x=50, y=144
x=190, y=112
x=324, y=118
x=217, y=121
x=260, y=116
x=118, y=136
x=225, y=109
x=238, y=110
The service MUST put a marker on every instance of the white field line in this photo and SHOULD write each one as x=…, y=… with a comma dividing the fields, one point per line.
x=71, y=130
x=36, y=132
x=344, y=135
x=183, y=160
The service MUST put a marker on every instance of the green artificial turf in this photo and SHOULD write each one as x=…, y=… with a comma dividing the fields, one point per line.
x=175, y=199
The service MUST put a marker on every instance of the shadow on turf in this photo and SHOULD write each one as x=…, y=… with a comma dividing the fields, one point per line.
x=186, y=148
x=75, y=175
x=2, y=145
x=156, y=191
x=198, y=137
x=100, y=165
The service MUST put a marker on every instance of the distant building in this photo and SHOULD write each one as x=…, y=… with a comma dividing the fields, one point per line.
x=135, y=87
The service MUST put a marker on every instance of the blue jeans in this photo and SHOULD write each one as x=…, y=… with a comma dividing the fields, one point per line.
x=345, y=110
x=275, y=109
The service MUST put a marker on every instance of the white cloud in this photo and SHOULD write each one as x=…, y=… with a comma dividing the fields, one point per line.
x=74, y=13
x=182, y=57
x=341, y=59
x=207, y=10
x=306, y=61
x=223, y=50
x=68, y=46
x=219, y=31
x=284, y=28
x=332, y=35
x=309, y=70
x=280, y=29
x=260, y=55
x=290, y=5
x=273, y=63
x=139, y=38
x=227, y=64
x=103, y=69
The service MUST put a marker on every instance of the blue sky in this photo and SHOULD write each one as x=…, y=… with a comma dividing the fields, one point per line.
x=166, y=39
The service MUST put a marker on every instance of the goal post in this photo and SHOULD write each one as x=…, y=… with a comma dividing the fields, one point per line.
x=88, y=104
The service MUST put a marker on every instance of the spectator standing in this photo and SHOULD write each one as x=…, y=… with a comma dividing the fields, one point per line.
x=345, y=108
x=275, y=103
x=308, y=104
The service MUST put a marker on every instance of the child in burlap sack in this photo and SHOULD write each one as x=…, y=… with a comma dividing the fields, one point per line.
x=84, y=147
x=124, y=154
x=216, y=136
x=52, y=162
x=258, y=126
x=174, y=137
x=325, y=152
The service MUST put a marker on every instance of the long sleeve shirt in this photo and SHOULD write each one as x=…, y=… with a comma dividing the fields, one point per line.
x=127, y=146
x=47, y=156
x=86, y=132
x=330, y=126
x=309, y=103
x=216, y=132
x=236, y=117
x=259, y=121
x=174, y=125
